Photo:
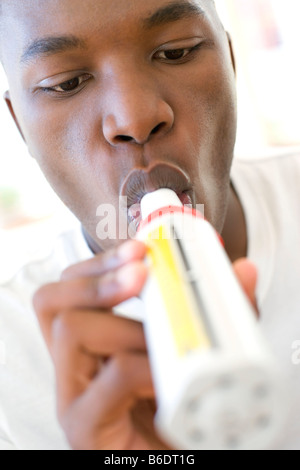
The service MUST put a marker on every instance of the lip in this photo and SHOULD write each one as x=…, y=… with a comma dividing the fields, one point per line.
x=161, y=175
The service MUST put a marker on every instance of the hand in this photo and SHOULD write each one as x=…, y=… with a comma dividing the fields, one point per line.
x=105, y=394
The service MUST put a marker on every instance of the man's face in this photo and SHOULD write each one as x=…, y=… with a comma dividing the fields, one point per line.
x=122, y=97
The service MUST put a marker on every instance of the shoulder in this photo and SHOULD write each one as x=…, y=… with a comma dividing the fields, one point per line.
x=41, y=250
x=30, y=257
x=269, y=191
x=36, y=255
x=274, y=179
x=288, y=162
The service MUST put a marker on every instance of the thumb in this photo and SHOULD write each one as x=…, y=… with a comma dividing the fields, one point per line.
x=246, y=273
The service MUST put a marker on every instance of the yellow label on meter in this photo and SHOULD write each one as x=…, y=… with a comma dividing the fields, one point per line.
x=187, y=326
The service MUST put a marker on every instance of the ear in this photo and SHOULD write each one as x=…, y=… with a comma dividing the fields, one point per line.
x=231, y=51
x=12, y=112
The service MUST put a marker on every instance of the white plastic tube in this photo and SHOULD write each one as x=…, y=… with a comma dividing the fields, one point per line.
x=216, y=382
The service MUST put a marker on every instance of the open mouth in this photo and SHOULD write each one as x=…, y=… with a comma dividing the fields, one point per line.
x=134, y=211
x=141, y=182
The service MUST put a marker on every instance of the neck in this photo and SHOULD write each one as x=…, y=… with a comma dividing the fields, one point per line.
x=235, y=230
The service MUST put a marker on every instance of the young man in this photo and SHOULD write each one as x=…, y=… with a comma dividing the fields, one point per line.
x=117, y=99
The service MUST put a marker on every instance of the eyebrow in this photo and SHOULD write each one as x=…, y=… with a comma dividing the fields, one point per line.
x=172, y=12
x=51, y=45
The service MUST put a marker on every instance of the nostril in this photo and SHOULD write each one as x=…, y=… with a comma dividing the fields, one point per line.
x=124, y=138
x=121, y=138
x=157, y=128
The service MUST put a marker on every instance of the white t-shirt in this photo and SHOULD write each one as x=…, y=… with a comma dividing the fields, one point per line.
x=270, y=193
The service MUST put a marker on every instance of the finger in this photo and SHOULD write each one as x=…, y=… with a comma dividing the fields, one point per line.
x=105, y=262
x=124, y=378
x=103, y=411
x=76, y=371
x=246, y=273
x=97, y=334
x=80, y=338
x=103, y=293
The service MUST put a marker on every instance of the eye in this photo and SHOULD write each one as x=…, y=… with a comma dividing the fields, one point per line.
x=176, y=55
x=69, y=86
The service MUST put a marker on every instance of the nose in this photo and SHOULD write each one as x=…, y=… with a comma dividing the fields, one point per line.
x=136, y=113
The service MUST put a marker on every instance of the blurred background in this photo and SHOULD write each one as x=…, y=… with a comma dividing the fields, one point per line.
x=266, y=38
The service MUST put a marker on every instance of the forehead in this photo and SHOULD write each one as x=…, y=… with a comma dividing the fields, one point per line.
x=42, y=12
x=31, y=18
x=93, y=23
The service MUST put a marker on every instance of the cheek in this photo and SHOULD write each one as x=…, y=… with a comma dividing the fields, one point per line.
x=208, y=109
x=211, y=99
x=215, y=106
x=205, y=99
x=69, y=152
x=56, y=134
